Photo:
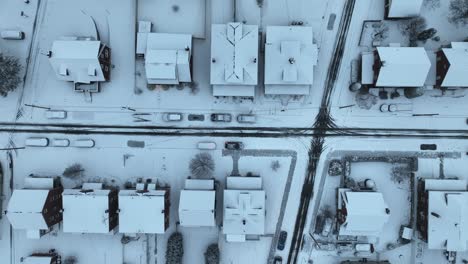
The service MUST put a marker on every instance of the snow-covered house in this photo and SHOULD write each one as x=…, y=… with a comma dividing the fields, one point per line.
x=81, y=61
x=39, y=258
x=144, y=211
x=197, y=205
x=90, y=209
x=37, y=207
x=443, y=214
x=395, y=67
x=402, y=8
x=290, y=57
x=234, y=59
x=452, y=66
x=168, y=57
x=361, y=213
x=244, y=208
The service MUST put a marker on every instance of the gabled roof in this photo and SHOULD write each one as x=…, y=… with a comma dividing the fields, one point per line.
x=25, y=209
x=403, y=67
x=404, y=8
x=197, y=208
x=234, y=55
x=448, y=220
x=77, y=60
x=86, y=212
x=457, y=74
x=244, y=212
x=142, y=212
x=290, y=57
x=365, y=213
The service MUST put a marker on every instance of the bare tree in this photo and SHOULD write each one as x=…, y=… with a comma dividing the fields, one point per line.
x=70, y=260
x=275, y=165
x=175, y=249
x=458, y=12
x=73, y=171
x=412, y=28
x=202, y=165
x=212, y=254
x=9, y=74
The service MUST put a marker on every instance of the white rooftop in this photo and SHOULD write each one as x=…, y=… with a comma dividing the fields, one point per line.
x=142, y=212
x=290, y=57
x=86, y=212
x=457, y=74
x=197, y=208
x=167, y=57
x=366, y=213
x=234, y=59
x=25, y=207
x=448, y=220
x=403, y=67
x=404, y=8
x=77, y=60
x=244, y=212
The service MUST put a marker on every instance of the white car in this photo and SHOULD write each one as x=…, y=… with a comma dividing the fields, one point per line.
x=246, y=118
x=12, y=34
x=172, y=117
x=56, y=114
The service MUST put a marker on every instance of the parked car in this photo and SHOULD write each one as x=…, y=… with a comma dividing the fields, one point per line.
x=396, y=108
x=84, y=143
x=37, y=142
x=206, y=145
x=246, y=118
x=428, y=147
x=278, y=260
x=282, y=240
x=172, y=117
x=60, y=142
x=12, y=34
x=195, y=117
x=220, y=117
x=234, y=145
x=56, y=114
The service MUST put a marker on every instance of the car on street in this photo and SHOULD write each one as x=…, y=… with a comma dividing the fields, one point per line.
x=172, y=117
x=221, y=117
x=246, y=118
x=282, y=240
x=234, y=145
x=278, y=260
x=196, y=117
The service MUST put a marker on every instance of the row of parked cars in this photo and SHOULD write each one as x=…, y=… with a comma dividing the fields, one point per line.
x=216, y=117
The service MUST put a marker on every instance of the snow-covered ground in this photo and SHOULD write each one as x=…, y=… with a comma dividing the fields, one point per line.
x=166, y=160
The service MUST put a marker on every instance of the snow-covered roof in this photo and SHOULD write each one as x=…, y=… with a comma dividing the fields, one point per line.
x=457, y=74
x=244, y=183
x=38, y=260
x=445, y=185
x=403, y=67
x=25, y=209
x=448, y=220
x=86, y=212
x=197, y=208
x=234, y=59
x=290, y=57
x=244, y=212
x=167, y=57
x=77, y=60
x=199, y=184
x=365, y=213
x=404, y=8
x=142, y=212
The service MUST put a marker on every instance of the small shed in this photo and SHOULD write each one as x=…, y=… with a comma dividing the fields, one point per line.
x=402, y=8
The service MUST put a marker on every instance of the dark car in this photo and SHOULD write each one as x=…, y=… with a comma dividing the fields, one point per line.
x=278, y=260
x=282, y=240
x=194, y=117
x=221, y=117
x=234, y=145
